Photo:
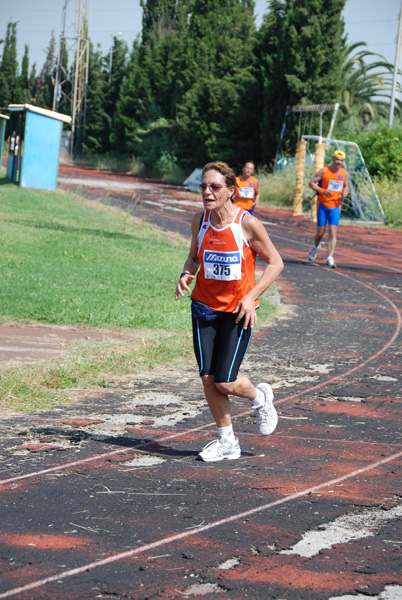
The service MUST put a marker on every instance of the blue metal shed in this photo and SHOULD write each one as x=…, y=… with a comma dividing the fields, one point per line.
x=36, y=163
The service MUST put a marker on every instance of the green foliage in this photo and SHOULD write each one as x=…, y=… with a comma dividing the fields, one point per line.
x=301, y=45
x=276, y=189
x=382, y=151
x=23, y=91
x=218, y=110
x=45, y=88
x=145, y=124
x=389, y=190
x=190, y=92
x=367, y=91
x=98, y=122
x=157, y=15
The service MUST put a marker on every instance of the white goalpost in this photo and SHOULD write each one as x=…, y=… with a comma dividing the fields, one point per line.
x=362, y=202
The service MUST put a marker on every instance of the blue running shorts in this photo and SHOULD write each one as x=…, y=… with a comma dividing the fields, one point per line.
x=328, y=215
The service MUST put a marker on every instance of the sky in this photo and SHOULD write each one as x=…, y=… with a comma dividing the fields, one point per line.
x=371, y=21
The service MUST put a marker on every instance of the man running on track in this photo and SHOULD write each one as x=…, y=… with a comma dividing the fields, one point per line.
x=332, y=185
x=225, y=242
x=247, y=194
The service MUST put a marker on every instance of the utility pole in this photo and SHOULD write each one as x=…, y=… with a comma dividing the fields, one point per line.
x=396, y=70
x=70, y=89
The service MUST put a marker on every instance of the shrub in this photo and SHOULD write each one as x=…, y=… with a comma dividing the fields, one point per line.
x=276, y=189
x=390, y=193
x=382, y=151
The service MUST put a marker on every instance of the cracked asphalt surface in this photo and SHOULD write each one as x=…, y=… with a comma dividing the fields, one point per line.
x=105, y=498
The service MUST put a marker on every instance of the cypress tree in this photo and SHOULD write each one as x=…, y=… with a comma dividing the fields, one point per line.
x=22, y=90
x=9, y=66
x=157, y=14
x=97, y=125
x=147, y=106
x=115, y=76
x=218, y=109
x=129, y=105
x=301, y=46
x=46, y=76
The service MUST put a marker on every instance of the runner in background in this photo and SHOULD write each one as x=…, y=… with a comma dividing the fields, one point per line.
x=224, y=245
x=332, y=185
x=247, y=194
x=14, y=141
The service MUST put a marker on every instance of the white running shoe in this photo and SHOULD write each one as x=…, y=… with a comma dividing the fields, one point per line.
x=267, y=417
x=219, y=450
x=330, y=263
x=313, y=252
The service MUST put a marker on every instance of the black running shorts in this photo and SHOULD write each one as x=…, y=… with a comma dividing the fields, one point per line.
x=220, y=346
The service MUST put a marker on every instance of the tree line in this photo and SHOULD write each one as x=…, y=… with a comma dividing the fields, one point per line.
x=203, y=83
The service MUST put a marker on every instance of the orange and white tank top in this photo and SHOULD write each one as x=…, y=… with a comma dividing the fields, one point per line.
x=245, y=192
x=334, y=182
x=227, y=264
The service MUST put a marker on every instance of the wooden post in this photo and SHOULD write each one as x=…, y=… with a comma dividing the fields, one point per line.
x=319, y=160
x=298, y=193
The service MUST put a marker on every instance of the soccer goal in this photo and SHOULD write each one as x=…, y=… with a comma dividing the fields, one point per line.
x=362, y=202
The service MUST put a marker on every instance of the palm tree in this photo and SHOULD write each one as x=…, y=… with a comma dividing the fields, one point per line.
x=368, y=85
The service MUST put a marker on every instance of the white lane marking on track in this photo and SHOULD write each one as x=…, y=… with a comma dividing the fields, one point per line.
x=186, y=534
x=243, y=413
x=343, y=530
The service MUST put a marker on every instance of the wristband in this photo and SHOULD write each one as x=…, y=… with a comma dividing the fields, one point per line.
x=185, y=273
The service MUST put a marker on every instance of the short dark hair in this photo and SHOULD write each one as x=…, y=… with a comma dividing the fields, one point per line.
x=223, y=169
x=247, y=161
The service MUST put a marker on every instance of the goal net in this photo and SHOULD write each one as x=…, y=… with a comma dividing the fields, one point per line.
x=362, y=202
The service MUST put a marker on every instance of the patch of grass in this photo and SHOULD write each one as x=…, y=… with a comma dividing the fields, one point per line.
x=110, y=162
x=66, y=262
x=88, y=365
x=127, y=164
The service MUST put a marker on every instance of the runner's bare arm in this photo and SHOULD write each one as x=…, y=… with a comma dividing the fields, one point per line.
x=192, y=263
x=260, y=242
x=314, y=183
x=257, y=196
x=345, y=191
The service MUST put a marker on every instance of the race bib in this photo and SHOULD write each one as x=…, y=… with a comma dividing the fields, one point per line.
x=225, y=266
x=246, y=192
x=335, y=186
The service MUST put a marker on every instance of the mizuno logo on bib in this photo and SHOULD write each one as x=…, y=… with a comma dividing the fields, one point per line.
x=225, y=266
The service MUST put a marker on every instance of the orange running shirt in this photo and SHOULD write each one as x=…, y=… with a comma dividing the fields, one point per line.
x=334, y=182
x=227, y=264
x=245, y=192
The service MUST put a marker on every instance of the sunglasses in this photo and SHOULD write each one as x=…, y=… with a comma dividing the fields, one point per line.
x=215, y=187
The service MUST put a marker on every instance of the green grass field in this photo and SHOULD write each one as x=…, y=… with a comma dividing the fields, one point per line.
x=67, y=261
